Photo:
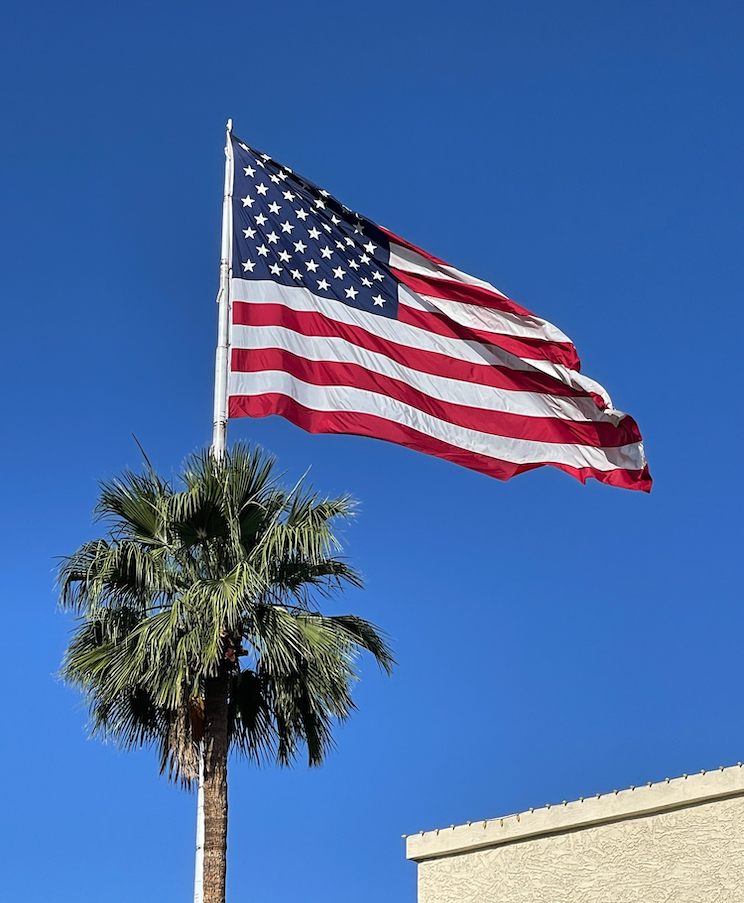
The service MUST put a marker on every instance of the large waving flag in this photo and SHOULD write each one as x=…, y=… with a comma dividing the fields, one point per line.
x=342, y=327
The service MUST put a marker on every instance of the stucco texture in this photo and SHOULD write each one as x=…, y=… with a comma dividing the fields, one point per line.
x=689, y=855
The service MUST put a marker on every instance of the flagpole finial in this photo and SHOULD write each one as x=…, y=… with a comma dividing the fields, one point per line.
x=229, y=125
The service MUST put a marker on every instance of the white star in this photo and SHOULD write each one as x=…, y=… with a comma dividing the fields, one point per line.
x=339, y=273
x=300, y=247
x=326, y=227
x=311, y=265
x=265, y=157
x=364, y=259
x=349, y=241
x=248, y=266
x=366, y=282
x=260, y=163
x=248, y=201
x=262, y=189
x=378, y=277
x=274, y=179
x=314, y=233
x=358, y=228
x=285, y=256
x=275, y=269
x=324, y=193
x=301, y=214
x=379, y=300
x=323, y=284
x=370, y=248
x=319, y=203
x=262, y=250
x=272, y=237
x=353, y=264
x=249, y=233
x=244, y=146
x=249, y=171
x=296, y=274
x=275, y=208
x=282, y=176
x=287, y=227
x=335, y=220
x=261, y=219
x=341, y=246
x=351, y=293
x=326, y=252
x=288, y=196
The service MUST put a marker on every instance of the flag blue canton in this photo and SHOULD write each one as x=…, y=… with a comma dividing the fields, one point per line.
x=287, y=230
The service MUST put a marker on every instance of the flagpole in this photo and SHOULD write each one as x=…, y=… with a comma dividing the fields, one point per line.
x=199, y=864
x=219, y=438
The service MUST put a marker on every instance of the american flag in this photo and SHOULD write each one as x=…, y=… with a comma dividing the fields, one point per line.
x=343, y=327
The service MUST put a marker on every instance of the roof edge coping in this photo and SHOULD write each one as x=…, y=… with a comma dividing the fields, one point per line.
x=671, y=793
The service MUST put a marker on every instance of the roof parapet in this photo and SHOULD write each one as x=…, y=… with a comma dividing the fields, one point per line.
x=671, y=793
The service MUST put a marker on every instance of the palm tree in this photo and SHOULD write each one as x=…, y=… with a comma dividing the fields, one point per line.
x=199, y=623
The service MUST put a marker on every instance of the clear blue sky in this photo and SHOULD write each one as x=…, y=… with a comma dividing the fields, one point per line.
x=555, y=640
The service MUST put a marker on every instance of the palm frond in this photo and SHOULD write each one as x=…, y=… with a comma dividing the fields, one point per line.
x=231, y=561
x=133, y=503
x=115, y=572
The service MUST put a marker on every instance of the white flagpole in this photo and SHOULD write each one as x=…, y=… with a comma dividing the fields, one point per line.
x=199, y=864
x=219, y=438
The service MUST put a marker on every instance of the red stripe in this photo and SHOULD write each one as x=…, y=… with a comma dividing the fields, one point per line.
x=457, y=290
x=311, y=323
x=452, y=290
x=496, y=423
x=356, y=424
x=466, y=293
x=525, y=348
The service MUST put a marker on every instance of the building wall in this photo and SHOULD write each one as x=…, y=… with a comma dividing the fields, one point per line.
x=641, y=846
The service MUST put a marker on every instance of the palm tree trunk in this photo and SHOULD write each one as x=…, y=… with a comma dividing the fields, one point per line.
x=215, y=787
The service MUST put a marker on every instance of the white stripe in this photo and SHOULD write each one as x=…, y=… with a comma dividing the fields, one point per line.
x=499, y=322
x=439, y=388
x=563, y=374
x=300, y=298
x=515, y=451
x=405, y=259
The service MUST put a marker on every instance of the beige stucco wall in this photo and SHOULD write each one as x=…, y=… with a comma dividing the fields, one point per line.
x=677, y=842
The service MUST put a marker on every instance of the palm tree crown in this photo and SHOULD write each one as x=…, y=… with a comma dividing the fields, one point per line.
x=198, y=618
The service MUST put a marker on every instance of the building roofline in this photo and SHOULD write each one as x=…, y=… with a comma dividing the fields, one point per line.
x=674, y=793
